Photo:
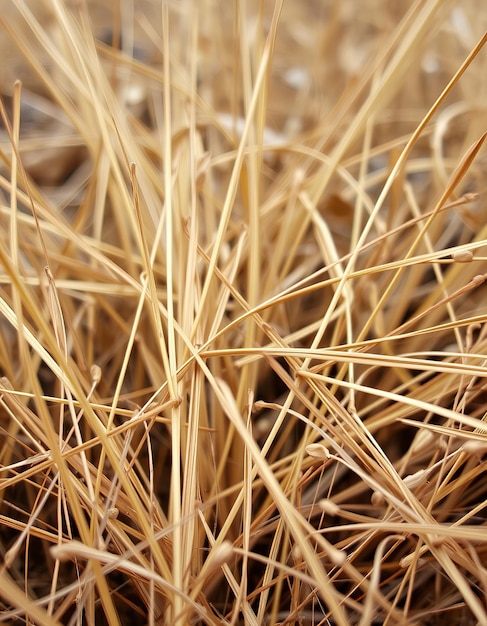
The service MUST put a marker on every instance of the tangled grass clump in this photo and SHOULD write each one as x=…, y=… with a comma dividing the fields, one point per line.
x=242, y=313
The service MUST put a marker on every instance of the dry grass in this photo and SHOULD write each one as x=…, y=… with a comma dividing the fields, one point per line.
x=242, y=302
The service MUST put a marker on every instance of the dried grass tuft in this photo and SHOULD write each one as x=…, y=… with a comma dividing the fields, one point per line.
x=242, y=313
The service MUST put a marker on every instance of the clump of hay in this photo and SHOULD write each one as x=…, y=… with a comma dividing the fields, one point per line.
x=242, y=311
